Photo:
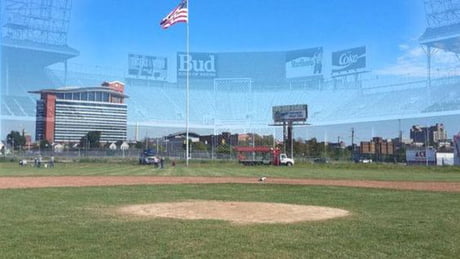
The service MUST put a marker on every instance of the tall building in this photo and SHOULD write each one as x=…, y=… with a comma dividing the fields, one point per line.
x=428, y=135
x=68, y=114
x=377, y=146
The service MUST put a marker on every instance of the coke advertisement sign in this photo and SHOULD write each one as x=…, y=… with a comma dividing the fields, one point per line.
x=348, y=60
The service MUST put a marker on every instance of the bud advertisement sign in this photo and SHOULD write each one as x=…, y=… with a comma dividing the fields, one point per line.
x=290, y=113
x=199, y=65
x=421, y=156
x=348, y=60
x=304, y=63
x=147, y=66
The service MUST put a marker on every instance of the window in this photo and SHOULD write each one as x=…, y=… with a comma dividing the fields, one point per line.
x=98, y=96
x=76, y=96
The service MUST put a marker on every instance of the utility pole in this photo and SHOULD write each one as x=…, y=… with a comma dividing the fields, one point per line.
x=353, y=139
x=352, y=143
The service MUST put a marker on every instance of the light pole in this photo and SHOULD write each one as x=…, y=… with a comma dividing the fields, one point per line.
x=39, y=144
x=11, y=140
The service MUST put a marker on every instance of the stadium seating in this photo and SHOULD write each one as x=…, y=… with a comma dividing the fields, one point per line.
x=239, y=104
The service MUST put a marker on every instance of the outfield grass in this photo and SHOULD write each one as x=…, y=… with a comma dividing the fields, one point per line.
x=388, y=172
x=81, y=223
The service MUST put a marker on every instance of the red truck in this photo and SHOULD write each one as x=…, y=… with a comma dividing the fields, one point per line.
x=262, y=155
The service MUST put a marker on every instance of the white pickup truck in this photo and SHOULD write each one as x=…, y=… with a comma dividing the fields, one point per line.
x=285, y=160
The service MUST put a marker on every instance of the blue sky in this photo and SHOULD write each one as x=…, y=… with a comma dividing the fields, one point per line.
x=105, y=31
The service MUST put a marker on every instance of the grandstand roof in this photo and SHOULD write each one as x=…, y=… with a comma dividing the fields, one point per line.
x=37, y=54
x=446, y=38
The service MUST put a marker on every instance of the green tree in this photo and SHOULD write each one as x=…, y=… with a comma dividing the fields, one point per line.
x=44, y=144
x=15, y=139
x=224, y=149
x=199, y=146
x=139, y=145
x=314, y=149
x=91, y=139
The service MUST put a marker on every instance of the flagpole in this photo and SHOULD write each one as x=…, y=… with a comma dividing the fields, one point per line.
x=187, y=94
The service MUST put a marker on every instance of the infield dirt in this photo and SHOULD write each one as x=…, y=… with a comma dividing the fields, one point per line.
x=235, y=212
x=80, y=181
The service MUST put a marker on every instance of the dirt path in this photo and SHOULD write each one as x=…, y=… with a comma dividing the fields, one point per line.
x=80, y=181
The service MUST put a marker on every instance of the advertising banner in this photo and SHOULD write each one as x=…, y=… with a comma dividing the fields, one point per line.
x=348, y=60
x=421, y=156
x=149, y=67
x=290, y=113
x=304, y=63
x=200, y=65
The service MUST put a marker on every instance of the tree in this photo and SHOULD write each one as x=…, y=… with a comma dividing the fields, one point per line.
x=15, y=139
x=91, y=139
x=199, y=146
x=224, y=149
x=139, y=145
x=44, y=144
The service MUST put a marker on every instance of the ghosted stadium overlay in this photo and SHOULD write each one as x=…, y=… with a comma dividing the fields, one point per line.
x=232, y=91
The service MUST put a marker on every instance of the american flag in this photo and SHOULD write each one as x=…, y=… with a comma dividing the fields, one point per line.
x=179, y=14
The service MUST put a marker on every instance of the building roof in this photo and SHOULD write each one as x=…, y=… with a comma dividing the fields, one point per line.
x=445, y=37
x=72, y=89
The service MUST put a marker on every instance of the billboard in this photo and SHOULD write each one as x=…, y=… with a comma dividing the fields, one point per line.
x=304, y=63
x=264, y=67
x=200, y=65
x=290, y=113
x=345, y=61
x=149, y=67
x=421, y=156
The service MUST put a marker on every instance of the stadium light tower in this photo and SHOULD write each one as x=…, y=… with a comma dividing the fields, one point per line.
x=38, y=21
x=441, y=13
x=442, y=32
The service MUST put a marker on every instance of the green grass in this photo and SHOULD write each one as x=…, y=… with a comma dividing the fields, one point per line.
x=388, y=172
x=81, y=223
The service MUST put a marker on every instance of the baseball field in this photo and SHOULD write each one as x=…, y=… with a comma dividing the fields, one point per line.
x=221, y=210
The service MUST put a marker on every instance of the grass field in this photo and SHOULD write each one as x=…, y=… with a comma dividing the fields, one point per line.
x=82, y=222
x=387, y=172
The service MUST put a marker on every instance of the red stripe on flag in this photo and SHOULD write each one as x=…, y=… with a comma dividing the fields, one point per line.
x=179, y=14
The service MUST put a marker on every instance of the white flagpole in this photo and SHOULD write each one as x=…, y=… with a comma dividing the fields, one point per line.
x=187, y=94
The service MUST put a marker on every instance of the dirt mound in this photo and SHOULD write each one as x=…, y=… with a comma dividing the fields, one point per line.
x=236, y=212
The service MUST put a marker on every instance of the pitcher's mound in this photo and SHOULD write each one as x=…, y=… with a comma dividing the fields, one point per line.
x=236, y=212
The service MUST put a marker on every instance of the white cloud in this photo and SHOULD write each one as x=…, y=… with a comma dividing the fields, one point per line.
x=413, y=63
x=404, y=47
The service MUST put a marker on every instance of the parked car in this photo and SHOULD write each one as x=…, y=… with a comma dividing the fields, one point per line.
x=148, y=157
x=365, y=161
